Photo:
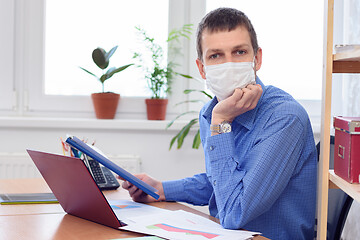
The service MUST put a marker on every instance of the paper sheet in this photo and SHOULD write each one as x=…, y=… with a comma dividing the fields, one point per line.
x=180, y=225
x=125, y=210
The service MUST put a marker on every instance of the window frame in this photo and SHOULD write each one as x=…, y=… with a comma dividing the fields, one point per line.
x=7, y=94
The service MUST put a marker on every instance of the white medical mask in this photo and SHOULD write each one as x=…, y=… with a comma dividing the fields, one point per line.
x=223, y=79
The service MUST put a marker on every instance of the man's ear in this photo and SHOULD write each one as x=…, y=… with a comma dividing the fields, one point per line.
x=200, y=66
x=258, y=59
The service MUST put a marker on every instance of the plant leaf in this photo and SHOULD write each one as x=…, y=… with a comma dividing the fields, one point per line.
x=184, y=133
x=187, y=91
x=177, y=136
x=116, y=70
x=88, y=72
x=178, y=116
x=185, y=76
x=110, y=70
x=197, y=140
x=173, y=140
x=103, y=78
x=110, y=53
x=99, y=59
x=190, y=101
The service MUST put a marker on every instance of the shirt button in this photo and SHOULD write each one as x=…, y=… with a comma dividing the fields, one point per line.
x=211, y=148
x=214, y=182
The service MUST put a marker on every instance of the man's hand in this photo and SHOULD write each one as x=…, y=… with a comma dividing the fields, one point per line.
x=138, y=195
x=241, y=101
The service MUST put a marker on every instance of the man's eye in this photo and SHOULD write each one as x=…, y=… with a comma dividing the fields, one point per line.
x=214, y=56
x=240, y=52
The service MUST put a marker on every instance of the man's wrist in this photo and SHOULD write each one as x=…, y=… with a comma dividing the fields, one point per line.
x=215, y=119
x=161, y=193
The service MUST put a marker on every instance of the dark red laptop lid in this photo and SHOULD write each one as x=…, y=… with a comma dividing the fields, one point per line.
x=74, y=187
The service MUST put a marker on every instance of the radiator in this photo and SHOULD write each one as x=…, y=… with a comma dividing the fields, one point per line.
x=20, y=165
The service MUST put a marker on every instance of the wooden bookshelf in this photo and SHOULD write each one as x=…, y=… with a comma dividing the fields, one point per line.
x=352, y=189
x=341, y=62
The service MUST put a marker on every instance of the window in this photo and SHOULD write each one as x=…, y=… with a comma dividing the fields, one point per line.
x=42, y=49
x=73, y=31
x=30, y=54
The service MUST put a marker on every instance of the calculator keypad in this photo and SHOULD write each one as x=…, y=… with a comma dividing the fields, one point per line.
x=97, y=172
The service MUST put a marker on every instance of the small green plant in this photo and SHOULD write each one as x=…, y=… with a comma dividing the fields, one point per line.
x=160, y=74
x=102, y=59
x=181, y=135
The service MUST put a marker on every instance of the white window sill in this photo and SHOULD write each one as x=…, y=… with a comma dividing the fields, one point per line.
x=81, y=123
x=113, y=124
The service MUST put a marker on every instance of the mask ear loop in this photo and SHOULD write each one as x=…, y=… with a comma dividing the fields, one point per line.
x=253, y=65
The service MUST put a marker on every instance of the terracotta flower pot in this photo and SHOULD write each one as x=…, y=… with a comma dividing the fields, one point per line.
x=156, y=108
x=105, y=104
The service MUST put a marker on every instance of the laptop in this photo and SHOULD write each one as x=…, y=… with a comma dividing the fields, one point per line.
x=74, y=187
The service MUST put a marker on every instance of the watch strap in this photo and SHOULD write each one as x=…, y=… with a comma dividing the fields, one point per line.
x=215, y=128
x=218, y=128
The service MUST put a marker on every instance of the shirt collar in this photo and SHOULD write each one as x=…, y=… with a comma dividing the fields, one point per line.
x=246, y=119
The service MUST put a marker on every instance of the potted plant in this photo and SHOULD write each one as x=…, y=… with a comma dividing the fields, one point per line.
x=159, y=74
x=193, y=123
x=105, y=103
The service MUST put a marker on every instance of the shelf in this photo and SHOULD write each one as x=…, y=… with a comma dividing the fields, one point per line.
x=353, y=56
x=347, y=62
x=352, y=189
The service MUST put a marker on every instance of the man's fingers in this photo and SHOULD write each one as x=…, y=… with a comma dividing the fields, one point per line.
x=138, y=195
x=256, y=88
x=126, y=185
x=250, y=98
x=238, y=94
x=132, y=190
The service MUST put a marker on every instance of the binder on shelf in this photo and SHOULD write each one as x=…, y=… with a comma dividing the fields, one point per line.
x=91, y=152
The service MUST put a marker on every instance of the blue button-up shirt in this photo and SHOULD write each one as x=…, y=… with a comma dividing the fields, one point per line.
x=262, y=176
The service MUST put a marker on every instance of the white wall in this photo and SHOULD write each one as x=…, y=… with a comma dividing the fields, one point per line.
x=148, y=139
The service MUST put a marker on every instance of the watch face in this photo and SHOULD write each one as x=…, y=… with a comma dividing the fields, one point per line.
x=226, y=127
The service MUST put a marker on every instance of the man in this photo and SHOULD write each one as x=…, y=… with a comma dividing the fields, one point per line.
x=261, y=165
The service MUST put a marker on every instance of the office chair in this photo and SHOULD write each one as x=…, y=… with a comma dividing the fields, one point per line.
x=351, y=228
x=339, y=202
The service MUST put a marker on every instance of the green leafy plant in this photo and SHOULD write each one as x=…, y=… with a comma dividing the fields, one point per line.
x=193, y=123
x=160, y=74
x=102, y=59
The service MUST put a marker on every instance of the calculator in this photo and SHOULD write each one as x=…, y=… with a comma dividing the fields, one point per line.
x=102, y=175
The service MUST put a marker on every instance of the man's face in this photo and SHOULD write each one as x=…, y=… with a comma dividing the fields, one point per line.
x=224, y=46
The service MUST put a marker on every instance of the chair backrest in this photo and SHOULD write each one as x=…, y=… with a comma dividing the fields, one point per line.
x=338, y=202
x=351, y=228
x=331, y=160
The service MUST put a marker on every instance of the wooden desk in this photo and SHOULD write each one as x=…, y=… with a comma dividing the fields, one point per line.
x=49, y=221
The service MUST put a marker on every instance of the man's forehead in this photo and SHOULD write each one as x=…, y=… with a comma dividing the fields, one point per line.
x=209, y=31
x=240, y=34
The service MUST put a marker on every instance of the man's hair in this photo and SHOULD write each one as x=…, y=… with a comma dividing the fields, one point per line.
x=224, y=19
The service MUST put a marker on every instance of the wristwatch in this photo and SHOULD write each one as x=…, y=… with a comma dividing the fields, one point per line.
x=223, y=127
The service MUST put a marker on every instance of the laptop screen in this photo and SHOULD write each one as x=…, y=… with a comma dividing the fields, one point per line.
x=74, y=187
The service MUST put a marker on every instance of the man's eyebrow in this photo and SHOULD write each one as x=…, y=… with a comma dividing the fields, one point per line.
x=212, y=50
x=241, y=46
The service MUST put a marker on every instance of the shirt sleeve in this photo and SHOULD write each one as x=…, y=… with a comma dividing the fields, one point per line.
x=242, y=195
x=195, y=190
